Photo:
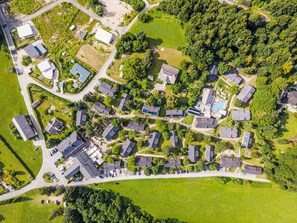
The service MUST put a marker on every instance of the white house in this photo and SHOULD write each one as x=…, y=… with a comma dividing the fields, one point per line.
x=168, y=74
x=47, y=69
x=25, y=31
x=103, y=36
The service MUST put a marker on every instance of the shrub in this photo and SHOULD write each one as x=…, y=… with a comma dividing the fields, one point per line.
x=26, y=60
x=144, y=17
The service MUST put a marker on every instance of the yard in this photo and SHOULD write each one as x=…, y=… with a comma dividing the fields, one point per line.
x=59, y=108
x=205, y=200
x=26, y=7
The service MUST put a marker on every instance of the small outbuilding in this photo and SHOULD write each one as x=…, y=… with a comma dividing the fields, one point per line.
x=104, y=36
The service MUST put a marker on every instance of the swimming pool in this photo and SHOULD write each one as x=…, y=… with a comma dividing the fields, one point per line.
x=220, y=105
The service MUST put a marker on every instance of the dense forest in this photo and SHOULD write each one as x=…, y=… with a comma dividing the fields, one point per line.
x=265, y=47
x=88, y=205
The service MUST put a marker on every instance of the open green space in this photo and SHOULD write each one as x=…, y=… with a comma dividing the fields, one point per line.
x=26, y=6
x=12, y=104
x=205, y=200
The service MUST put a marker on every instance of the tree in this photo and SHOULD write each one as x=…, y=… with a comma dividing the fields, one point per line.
x=134, y=69
x=238, y=103
x=233, y=90
x=131, y=161
x=147, y=172
x=144, y=17
x=147, y=59
x=116, y=122
x=287, y=66
x=108, y=101
x=223, y=68
x=26, y=60
x=116, y=149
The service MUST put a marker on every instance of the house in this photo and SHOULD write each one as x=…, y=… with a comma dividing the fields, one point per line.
x=83, y=164
x=246, y=3
x=83, y=73
x=213, y=72
x=209, y=153
x=173, y=139
x=154, y=139
x=193, y=111
x=110, y=132
x=104, y=36
x=136, y=126
x=71, y=145
x=207, y=123
x=47, y=69
x=35, y=104
x=228, y=132
x=106, y=89
x=172, y=163
x=24, y=127
x=193, y=153
x=168, y=74
x=230, y=162
x=111, y=166
x=247, y=140
x=41, y=49
x=54, y=126
x=235, y=78
x=241, y=115
x=143, y=161
x=152, y=110
x=123, y=101
x=81, y=117
x=253, y=169
x=101, y=108
x=208, y=96
x=25, y=31
x=292, y=98
x=174, y=113
x=127, y=148
x=82, y=35
x=246, y=93
x=31, y=51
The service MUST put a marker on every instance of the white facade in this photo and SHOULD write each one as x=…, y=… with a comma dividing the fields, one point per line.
x=47, y=69
x=103, y=36
x=25, y=31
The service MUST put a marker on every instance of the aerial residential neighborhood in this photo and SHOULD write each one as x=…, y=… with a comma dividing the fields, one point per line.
x=147, y=101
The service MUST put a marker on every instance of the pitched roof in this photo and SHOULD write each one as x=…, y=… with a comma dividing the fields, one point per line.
x=124, y=98
x=246, y=3
x=153, y=140
x=23, y=127
x=241, y=115
x=173, y=139
x=106, y=89
x=111, y=166
x=205, y=122
x=101, y=108
x=246, y=93
x=292, y=98
x=136, y=126
x=83, y=73
x=31, y=51
x=253, y=169
x=230, y=162
x=174, y=113
x=143, y=161
x=228, y=132
x=70, y=145
x=213, y=72
x=153, y=110
x=172, y=163
x=247, y=140
x=168, y=74
x=41, y=49
x=236, y=79
x=193, y=153
x=54, y=126
x=127, y=148
x=81, y=117
x=208, y=96
x=110, y=131
x=209, y=153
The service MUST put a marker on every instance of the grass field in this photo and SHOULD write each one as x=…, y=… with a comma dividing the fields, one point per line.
x=26, y=6
x=12, y=104
x=205, y=200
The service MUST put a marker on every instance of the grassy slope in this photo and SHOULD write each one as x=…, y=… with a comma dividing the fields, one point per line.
x=12, y=104
x=204, y=200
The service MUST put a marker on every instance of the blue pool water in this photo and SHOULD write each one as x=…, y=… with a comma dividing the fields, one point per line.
x=216, y=106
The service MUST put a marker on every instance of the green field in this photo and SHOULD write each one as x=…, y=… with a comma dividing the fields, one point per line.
x=26, y=6
x=205, y=200
x=163, y=30
x=12, y=104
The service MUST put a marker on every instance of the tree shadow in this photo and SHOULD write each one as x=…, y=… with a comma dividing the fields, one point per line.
x=153, y=42
x=2, y=218
x=1, y=166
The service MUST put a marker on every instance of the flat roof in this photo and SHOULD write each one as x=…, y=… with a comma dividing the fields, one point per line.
x=25, y=31
x=83, y=73
x=44, y=65
x=103, y=36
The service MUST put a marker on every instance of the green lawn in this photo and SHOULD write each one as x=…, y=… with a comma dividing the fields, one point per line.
x=205, y=200
x=12, y=104
x=29, y=211
x=26, y=6
x=164, y=30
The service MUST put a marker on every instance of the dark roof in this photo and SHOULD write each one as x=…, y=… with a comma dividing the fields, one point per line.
x=228, y=132
x=110, y=131
x=82, y=34
x=172, y=163
x=83, y=73
x=193, y=111
x=292, y=97
x=31, y=51
x=213, y=72
x=127, y=148
x=81, y=117
x=246, y=3
x=153, y=140
x=193, y=153
x=122, y=105
x=253, y=169
x=246, y=93
x=54, y=126
x=24, y=127
x=153, y=110
x=111, y=166
x=208, y=96
x=143, y=161
x=241, y=115
x=70, y=145
x=136, y=126
x=205, y=122
x=173, y=139
x=236, y=79
x=230, y=162
x=174, y=113
x=36, y=103
x=106, y=89
x=209, y=153
x=247, y=140
x=101, y=108
x=41, y=49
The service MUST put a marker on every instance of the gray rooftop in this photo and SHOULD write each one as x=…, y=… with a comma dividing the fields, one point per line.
x=153, y=110
x=101, y=108
x=253, y=169
x=209, y=153
x=205, y=122
x=54, y=126
x=106, y=89
x=83, y=73
x=24, y=127
x=173, y=139
x=41, y=49
x=124, y=98
x=174, y=113
x=235, y=78
x=292, y=98
x=111, y=166
x=82, y=34
x=247, y=140
x=168, y=73
x=31, y=51
x=110, y=131
x=153, y=140
x=230, y=162
x=241, y=115
x=81, y=117
x=172, y=163
x=214, y=70
x=143, y=161
x=136, y=126
x=208, y=96
x=193, y=153
x=228, y=132
x=246, y=93
x=127, y=148
x=70, y=145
